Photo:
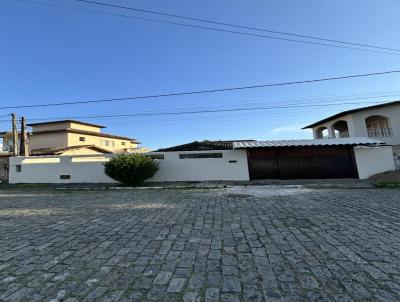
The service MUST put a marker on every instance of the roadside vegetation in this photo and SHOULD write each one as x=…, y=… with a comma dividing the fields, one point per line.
x=390, y=185
x=389, y=179
x=131, y=169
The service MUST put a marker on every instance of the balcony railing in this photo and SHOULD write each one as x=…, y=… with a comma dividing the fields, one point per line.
x=6, y=148
x=380, y=132
x=342, y=134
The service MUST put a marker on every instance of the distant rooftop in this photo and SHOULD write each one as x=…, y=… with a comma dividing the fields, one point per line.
x=203, y=146
x=343, y=113
x=60, y=150
x=66, y=121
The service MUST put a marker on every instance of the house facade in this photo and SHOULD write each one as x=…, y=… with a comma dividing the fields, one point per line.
x=7, y=142
x=223, y=161
x=381, y=122
x=69, y=133
x=70, y=136
x=282, y=159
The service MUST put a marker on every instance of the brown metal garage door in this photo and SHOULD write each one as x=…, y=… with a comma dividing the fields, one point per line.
x=302, y=163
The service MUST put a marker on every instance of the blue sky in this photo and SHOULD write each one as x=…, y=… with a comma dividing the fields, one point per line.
x=52, y=54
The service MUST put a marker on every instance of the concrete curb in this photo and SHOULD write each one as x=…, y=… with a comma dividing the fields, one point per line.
x=138, y=188
x=200, y=187
x=322, y=184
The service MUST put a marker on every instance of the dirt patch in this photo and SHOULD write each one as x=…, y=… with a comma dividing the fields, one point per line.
x=265, y=191
x=392, y=177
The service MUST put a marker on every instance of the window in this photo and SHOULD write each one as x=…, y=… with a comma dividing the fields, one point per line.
x=123, y=143
x=200, y=155
x=18, y=168
x=82, y=139
x=232, y=161
x=107, y=143
x=65, y=176
x=156, y=156
x=378, y=126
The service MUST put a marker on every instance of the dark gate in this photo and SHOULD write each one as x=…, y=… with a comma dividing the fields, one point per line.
x=263, y=164
x=302, y=163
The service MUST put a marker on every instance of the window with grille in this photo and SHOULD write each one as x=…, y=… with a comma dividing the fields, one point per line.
x=200, y=155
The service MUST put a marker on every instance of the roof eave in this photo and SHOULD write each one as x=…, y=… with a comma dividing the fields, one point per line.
x=343, y=113
x=66, y=121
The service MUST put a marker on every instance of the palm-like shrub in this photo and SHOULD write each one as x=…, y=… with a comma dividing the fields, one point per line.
x=131, y=169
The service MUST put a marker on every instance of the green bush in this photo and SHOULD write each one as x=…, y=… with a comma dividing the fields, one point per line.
x=131, y=169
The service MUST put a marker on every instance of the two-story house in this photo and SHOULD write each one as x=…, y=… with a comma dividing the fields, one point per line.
x=381, y=122
x=72, y=137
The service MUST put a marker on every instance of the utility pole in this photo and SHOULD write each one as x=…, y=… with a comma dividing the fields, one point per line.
x=24, y=147
x=15, y=134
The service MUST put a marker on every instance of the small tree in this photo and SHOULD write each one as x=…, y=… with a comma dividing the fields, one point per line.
x=131, y=169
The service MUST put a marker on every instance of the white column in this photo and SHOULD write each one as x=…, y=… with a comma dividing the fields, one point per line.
x=331, y=131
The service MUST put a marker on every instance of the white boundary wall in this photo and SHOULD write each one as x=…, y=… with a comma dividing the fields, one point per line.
x=373, y=160
x=48, y=169
x=232, y=166
x=90, y=169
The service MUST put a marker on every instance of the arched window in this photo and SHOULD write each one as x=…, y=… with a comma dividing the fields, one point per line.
x=340, y=129
x=378, y=126
x=322, y=132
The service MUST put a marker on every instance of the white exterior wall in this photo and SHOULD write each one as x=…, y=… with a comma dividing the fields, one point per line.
x=358, y=127
x=348, y=118
x=172, y=168
x=391, y=112
x=373, y=160
x=90, y=169
x=47, y=169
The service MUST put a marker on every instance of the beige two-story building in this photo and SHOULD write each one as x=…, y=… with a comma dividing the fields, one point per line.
x=70, y=137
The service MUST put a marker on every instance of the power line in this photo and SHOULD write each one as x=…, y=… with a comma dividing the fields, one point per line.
x=259, y=102
x=289, y=104
x=204, y=91
x=211, y=111
x=216, y=103
x=375, y=49
x=235, y=25
x=332, y=103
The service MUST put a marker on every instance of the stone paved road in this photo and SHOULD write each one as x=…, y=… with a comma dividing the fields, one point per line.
x=257, y=244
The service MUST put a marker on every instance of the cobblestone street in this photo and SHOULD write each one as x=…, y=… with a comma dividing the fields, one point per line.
x=240, y=244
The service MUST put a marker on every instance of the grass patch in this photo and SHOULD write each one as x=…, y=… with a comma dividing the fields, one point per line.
x=389, y=185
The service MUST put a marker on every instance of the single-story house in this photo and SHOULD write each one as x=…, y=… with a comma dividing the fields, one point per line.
x=284, y=159
x=244, y=160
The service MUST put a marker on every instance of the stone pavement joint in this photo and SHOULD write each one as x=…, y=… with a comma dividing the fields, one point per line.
x=261, y=244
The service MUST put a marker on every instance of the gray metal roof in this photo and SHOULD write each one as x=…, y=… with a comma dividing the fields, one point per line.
x=352, y=141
